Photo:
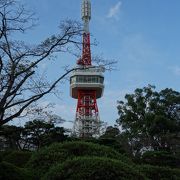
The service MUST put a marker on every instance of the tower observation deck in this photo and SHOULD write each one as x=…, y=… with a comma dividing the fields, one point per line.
x=86, y=85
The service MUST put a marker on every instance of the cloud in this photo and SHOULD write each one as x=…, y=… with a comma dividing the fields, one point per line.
x=113, y=11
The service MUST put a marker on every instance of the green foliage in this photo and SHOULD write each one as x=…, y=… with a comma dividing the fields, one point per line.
x=151, y=119
x=161, y=158
x=116, y=140
x=10, y=137
x=1, y=157
x=113, y=143
x=155, y=172
x=95, y=168
x=9, y=172
x=35, y=132
x=40, y=133
x=111, y=132
x=18, y=158
x=3, y=154
x=58, y=153
x=34, y=135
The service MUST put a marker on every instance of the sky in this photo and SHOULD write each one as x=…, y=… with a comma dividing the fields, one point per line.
x=143, y=36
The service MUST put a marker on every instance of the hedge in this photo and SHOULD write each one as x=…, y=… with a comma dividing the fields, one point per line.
x=96, y=168
x=18, y=158
x=161, y=158
x=41, y=161
x=9, y=172
x=155, y=172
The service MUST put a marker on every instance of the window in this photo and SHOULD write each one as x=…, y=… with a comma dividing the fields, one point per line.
x=93, y=79
x=87, y=79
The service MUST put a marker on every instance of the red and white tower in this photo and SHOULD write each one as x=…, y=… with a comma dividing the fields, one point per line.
x=86, y=85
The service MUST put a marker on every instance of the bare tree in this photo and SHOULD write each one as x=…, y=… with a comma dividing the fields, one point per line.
x=19, y=85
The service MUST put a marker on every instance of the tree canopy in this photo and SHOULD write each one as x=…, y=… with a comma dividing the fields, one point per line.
x=151, y=119
x=34, y=135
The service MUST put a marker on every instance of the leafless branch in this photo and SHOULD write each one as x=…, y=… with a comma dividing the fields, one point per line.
x=20, y=85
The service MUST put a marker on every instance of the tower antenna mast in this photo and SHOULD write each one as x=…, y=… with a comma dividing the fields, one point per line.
x=86, y=17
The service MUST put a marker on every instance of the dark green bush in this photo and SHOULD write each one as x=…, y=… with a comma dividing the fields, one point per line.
x=41, y=161
x=3, y=154
x=11, y=172
x=18, y=158
x=155, y=172
x=110, y=142
x=93, y=168
x=113, y=143
x=161, y=158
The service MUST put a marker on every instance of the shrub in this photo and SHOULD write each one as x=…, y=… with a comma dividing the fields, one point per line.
x=110, y=142
x=93, y=168
x=3, y=154
x=18, y=158
x=41, y=161
x=155, y=172
x=9, y=172
x=161, y=158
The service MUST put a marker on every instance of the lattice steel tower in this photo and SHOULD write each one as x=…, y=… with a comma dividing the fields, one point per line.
x=86, y=85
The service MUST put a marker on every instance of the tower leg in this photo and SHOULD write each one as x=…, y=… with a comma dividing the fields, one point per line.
x=87, y=120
